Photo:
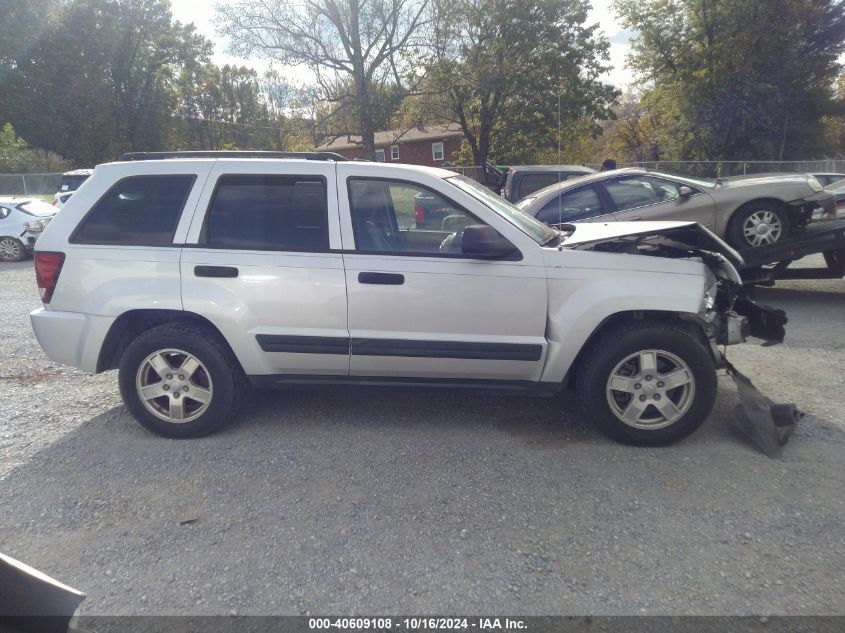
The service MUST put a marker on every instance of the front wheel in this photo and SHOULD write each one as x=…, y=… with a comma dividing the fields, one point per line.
x=179, y=381
x=11, y=250
x=648, y=384
x=758, y=224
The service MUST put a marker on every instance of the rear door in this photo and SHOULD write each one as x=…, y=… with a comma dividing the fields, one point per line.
x=263, y=263
x=646, y=197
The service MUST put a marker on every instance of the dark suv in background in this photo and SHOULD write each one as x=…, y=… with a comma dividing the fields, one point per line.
x=524, y=180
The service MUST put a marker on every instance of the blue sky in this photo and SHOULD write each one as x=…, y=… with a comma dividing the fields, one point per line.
x=202, y=15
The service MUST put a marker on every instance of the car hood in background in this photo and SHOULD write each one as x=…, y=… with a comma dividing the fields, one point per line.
x=689, y=234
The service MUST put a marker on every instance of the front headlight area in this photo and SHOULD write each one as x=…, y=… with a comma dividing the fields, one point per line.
x=721, y=324
x=711, y=292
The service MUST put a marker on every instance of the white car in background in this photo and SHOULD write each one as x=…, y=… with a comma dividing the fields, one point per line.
x=60, y=198
x=21, y=222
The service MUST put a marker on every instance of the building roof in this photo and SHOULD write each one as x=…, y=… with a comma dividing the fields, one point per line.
x=394, y=137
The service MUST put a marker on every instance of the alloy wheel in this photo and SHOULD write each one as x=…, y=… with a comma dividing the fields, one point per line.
x=650, y=389
x=174, y=385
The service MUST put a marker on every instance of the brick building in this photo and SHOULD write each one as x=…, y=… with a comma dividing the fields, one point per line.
x=430, y=145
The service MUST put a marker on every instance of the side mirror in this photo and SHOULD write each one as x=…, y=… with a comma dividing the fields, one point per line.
x=480, y=240
x=684, y=191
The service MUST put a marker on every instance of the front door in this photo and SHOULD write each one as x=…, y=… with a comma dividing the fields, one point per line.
x=644, y=197
x=419, y=307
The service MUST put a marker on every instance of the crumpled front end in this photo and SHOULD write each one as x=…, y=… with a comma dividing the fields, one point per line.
x=728, y=316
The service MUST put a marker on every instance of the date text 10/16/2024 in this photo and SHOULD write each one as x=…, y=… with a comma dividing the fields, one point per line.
x=417, y=623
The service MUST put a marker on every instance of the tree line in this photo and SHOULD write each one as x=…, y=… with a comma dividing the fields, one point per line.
x=717, y=79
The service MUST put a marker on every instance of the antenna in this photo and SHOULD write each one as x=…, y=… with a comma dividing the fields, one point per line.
x=559, y=203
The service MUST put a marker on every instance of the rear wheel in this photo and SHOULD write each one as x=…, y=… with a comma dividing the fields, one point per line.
x=758, y=224
x=835, y=261
x=179, y=381
x=11, y=250
x=648, y=384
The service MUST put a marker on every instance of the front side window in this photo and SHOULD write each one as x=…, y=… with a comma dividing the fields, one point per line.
x=578, y=204
x=398, y=217
x=137, y=211
x=533, y=228
x=394, y=152
x=437, y=151
x=638, y=191
x=268, y=213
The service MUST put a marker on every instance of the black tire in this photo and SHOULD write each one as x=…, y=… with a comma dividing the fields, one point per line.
x=615, y=346
x=219, y=371
x=11, y=249
x=835, y=261
x=735, y=231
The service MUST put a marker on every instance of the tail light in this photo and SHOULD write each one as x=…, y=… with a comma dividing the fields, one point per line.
x=47, y=269
x=34, y=227
x=419, y=213
x=55, y=201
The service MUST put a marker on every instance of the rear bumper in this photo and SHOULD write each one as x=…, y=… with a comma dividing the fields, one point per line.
x=822, y=204
x=71, y=338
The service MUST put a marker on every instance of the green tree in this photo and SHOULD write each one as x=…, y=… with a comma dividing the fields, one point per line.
x=102, y=78
x=12, y=149
x=515, y=73
x=732, y=79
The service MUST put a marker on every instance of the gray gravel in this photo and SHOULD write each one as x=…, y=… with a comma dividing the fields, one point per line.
x=394, y=501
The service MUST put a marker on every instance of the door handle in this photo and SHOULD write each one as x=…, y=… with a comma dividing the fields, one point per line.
x=386, y=279
x=215, y=271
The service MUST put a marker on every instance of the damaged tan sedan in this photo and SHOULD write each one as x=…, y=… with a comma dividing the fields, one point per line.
x=747, y=211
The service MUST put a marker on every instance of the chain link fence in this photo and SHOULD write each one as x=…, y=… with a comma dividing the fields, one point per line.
x=725, y=168
x=29, y=184
x=707, y=169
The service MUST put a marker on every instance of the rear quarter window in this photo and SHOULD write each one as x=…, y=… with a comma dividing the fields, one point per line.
x=137, y=211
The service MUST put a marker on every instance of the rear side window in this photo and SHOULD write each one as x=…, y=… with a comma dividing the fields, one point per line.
x=269, y=213
x=137, y=211
x=529, y=183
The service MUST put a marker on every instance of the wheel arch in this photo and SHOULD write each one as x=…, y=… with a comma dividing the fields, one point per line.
x=782, y=204
x=631, y=316
x=132, y=323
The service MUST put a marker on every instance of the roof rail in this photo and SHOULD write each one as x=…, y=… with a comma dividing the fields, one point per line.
x=133, y=156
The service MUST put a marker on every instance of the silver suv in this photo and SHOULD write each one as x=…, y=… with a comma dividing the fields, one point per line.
x=198, y=274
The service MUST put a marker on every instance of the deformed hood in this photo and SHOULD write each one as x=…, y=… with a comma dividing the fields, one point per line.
x=685, y=234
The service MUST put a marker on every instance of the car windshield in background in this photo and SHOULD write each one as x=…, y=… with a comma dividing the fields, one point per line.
x=538, y=231
x=36, y=208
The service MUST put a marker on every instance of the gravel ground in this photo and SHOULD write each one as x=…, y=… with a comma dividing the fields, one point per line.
x=395, y=501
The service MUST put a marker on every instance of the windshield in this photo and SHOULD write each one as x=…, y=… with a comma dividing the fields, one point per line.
x=537, y=231
x=36, y=208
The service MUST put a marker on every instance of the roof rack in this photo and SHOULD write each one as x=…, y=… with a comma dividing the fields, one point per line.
x=133, y=156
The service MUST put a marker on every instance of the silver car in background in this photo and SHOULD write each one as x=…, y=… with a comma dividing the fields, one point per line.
x=21, y=222
x=746, y=211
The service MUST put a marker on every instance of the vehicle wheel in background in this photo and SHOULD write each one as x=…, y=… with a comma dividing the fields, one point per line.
x=11, y=250
x=835, y=261
x=758, y=224
x=179, y=381
x=647, y=384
